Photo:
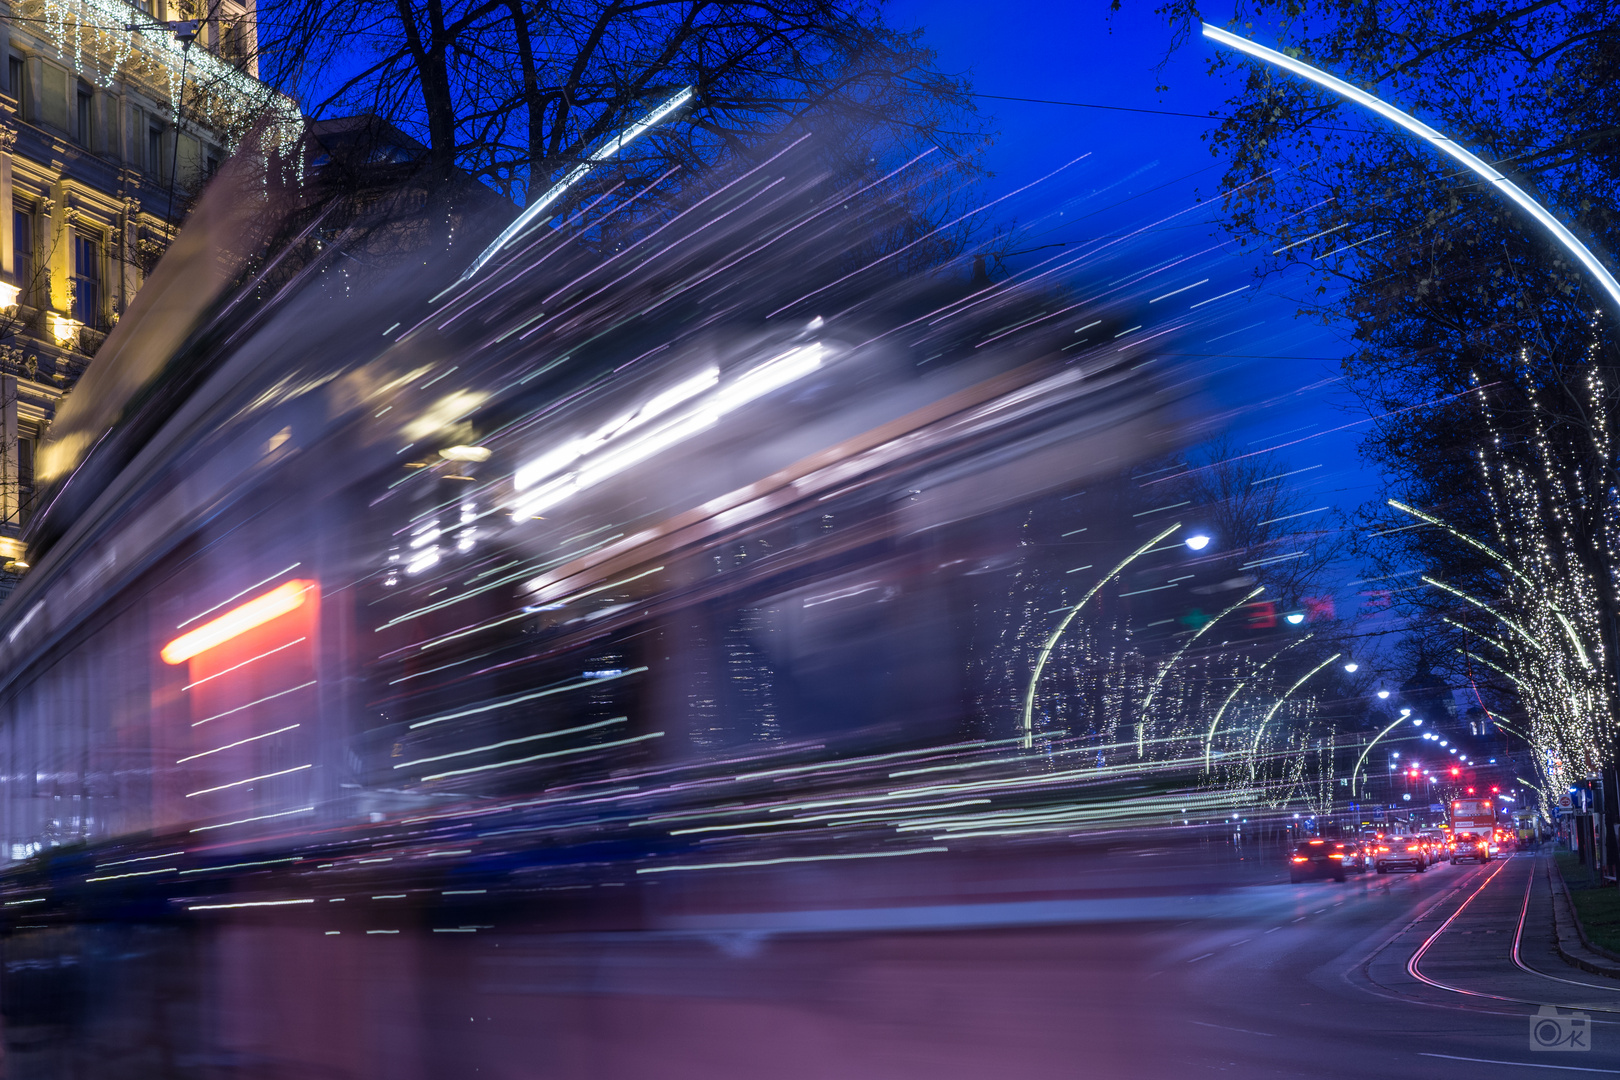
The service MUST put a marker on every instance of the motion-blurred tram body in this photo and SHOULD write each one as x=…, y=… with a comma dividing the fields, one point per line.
x=452, y=580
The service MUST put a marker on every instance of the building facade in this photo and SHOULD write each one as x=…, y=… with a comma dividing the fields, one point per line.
x=112, y=116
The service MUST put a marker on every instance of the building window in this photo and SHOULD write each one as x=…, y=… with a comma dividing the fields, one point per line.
x=22, y=254
x=154, y=150
x=17, y=82
x=233, y=41
x=86, y=113
x=87, y=281
x=25, y=475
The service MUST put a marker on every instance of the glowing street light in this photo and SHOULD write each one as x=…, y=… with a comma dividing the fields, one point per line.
x=1383, y=695
x=1197, y=542
x=1295, y=617
x=1436, y=139
x=1351, y=666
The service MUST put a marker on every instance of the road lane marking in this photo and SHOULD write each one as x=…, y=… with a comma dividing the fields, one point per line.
x=1300, y=919
x=1195, y=959
x=1235, y=944
x=1521, y=1064
x=1274, y=929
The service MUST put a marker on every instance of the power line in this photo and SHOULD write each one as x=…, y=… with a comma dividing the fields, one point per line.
x=1155, y=112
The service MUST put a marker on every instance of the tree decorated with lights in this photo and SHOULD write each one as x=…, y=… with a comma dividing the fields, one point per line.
x=1488, y=385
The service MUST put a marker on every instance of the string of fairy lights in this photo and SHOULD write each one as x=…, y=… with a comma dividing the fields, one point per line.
x=103, y=39
x=1548, y=618
x=1271, y=743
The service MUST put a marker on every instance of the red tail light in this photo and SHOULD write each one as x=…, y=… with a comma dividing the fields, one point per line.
x=1411, y=847
x=1301, y=858
x=1336, y=855
x=1383, y=847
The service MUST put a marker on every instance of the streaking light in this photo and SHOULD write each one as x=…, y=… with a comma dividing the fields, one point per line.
x=608, y=150
x=286, y=597
x=788, y=859
x=1434, y=138
x=260, y=817
x=249, y=780
x=607, y=452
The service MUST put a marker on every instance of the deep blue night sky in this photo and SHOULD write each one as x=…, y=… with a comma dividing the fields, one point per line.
x=1272, y=377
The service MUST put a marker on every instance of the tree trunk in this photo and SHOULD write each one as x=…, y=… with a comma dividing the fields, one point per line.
x=434, y=72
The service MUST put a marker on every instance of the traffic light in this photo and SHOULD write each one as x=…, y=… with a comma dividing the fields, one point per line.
x=1496, y=791
x=1470, y=791
x=1456, y=771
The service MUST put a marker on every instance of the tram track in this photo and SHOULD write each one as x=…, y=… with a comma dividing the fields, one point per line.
x=1454, y=987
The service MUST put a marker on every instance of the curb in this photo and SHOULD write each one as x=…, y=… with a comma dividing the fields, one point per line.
x=1569, y=917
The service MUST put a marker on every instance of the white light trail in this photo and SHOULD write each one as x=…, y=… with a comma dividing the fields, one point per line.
x=260, y=701
x=248, y=903
x=608, y=150
x=513, y=742
x=788, y=859
x=249, y=780
x=606, y=452
x=549, y=464
x=134, y=873
x=1439, y=141
x=238, y=596
x=244, y=663
x=248, y=820
x=548, y=754
x=520, y=699
x=238, y=742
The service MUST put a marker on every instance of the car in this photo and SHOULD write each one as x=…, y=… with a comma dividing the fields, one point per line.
x=1468, y=846
x=1398, y=852
x=1317, y=858
x=1362, y=852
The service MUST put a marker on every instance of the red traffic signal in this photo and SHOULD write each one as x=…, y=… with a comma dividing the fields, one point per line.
x=1495, y=790
x=1456, y=771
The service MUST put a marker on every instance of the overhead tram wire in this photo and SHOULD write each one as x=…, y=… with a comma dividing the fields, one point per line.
x=1156, y=112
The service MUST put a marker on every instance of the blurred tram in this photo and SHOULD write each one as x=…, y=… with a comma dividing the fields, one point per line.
x=631, y=552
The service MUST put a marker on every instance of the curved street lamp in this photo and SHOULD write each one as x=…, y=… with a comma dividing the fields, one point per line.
x=1444, y=143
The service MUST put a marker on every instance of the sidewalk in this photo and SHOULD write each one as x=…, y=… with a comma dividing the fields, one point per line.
x=1569, y=936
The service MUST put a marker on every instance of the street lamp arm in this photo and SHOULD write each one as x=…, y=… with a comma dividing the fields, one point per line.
x=1368, y=750
x=1444, y=143
x=1141, y=721
x=1051, y=642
